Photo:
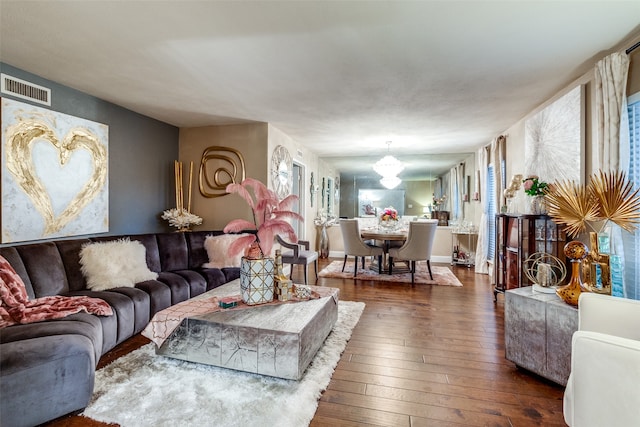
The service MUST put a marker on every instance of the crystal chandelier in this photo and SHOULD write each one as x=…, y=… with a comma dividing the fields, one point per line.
x=388, y=168
x=390, y=182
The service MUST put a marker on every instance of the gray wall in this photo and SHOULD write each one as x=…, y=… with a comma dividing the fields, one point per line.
x=141, y=155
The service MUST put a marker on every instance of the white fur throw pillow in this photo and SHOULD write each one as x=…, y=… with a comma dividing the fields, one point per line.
x=217, y=249
x=114, y=264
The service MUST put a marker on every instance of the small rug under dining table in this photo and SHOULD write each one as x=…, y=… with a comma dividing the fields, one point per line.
x=442, y=275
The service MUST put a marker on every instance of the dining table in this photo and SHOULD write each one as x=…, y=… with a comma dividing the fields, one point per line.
x=389, y=237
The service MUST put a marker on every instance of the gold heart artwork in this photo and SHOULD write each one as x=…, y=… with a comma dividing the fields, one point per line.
x=19, y=162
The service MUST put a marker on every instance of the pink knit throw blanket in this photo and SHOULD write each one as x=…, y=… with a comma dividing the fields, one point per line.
x=15, y=306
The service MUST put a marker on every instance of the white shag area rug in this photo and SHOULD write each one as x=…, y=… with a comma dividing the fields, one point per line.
x=142, y=389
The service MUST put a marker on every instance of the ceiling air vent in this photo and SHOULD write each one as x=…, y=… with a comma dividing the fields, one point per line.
x=25, y=90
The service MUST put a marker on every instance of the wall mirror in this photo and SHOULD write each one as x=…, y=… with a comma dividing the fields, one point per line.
x=418, y=180
x=329, y=194
x=372, y=201
x=281, y=171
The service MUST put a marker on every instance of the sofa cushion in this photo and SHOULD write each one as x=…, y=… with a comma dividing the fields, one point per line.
x=179, y=286
x=214, y=277
x=117, y=263
x=159, y=295
x=123, y=311
x=75, y=324
x=43, y=264
x=218, y=251
x=197, y=283
x=174, y=254
x=11, y=254
x=45, y=378
x=231, y=273
x=197, y=252
x=150, y=242
x=141, y=303
x=70, y=255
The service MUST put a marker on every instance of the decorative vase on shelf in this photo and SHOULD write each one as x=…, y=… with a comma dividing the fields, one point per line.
x=324, y=242
x=570, y=293
x=538, y=205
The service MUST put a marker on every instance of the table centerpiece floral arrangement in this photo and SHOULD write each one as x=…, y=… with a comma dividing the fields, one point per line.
x=389, y=218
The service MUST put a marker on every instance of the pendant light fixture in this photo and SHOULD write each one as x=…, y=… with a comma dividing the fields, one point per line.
x=388, y=168
x=390, y=182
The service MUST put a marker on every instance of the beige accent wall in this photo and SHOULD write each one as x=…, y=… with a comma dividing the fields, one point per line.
x=256, y=142
x=251, y=141
x=418, y=194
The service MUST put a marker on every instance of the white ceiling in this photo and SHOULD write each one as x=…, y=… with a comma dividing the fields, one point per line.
x=340, y=77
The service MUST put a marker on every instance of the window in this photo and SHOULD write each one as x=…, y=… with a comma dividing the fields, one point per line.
x=491, y=213
x=632, y=240
x=455, y=202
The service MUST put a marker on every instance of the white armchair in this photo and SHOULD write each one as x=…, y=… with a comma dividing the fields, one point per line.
x=604, y=385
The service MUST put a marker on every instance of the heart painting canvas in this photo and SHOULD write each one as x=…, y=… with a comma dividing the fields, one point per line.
x=54, y=174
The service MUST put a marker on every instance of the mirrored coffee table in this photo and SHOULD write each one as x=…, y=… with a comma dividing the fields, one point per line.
x=276, y=340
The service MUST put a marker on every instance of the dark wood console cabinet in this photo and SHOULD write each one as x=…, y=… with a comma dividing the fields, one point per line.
x=517, y=237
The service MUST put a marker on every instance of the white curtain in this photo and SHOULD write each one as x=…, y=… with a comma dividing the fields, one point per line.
x=498, y=157
x=482, y=159
x=456, y=189
x=460, y=182
x=451, y=190
x=611, y=88
x=611, y=153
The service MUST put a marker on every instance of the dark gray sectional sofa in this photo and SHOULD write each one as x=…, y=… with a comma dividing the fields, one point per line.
x=47, y=368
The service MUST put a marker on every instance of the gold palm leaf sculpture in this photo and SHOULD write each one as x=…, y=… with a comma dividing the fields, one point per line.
x=608, y=197
x=616, y=199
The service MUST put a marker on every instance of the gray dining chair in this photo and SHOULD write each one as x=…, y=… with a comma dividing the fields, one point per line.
x=354, y=245
x=417, y=247
x=296, y=255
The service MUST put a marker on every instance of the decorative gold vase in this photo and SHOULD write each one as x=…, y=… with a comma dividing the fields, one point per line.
x=570, y=293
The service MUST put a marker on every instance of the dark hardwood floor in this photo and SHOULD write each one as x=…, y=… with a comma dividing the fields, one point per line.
x=421, y=356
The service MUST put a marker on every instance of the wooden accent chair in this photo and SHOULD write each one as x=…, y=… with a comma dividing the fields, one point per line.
x=297, y=255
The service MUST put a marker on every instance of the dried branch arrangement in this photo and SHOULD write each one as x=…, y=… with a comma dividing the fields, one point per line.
x=608, y=197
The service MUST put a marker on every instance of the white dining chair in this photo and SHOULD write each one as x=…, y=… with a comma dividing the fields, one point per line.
x=417, y=247
x=354, y=245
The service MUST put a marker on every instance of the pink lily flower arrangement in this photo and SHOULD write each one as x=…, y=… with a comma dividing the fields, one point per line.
x=270, y=217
